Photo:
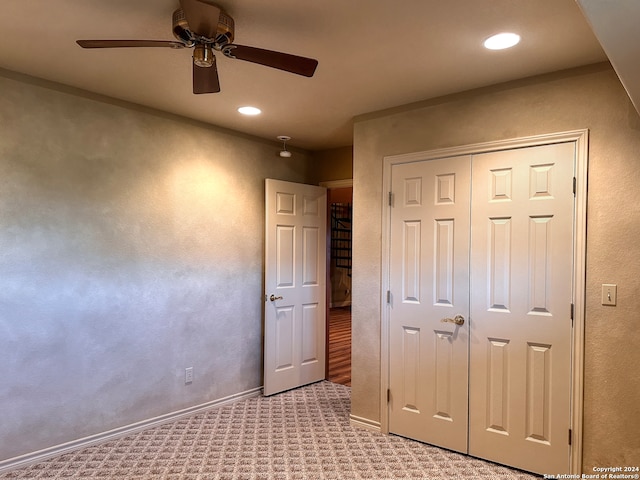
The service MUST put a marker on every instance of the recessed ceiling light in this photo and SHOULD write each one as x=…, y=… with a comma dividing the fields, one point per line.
x=250, y=111
x=502, y=41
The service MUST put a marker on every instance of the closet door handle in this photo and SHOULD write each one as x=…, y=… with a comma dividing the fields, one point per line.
x=458, y=320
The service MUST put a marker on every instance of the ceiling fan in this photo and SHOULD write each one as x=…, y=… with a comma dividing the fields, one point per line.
x=203, y=26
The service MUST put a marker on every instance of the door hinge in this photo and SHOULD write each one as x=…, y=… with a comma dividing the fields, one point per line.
x=388, y=395
x=575, y=186
x=390, y=199
x=570, y=436
x=388, y=296
x=572, y=309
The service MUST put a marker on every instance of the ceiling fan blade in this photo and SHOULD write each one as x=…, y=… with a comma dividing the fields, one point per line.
x=202, y=17
x=128, y=43
x=205, y=79
x=282, y=61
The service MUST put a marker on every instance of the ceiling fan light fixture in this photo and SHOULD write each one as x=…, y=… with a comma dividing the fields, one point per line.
x=203, y=55
x=502, y=41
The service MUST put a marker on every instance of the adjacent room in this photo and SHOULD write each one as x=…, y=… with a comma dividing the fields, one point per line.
x=217, y=212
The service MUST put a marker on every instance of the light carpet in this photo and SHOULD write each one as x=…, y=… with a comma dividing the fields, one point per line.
x=300, y=434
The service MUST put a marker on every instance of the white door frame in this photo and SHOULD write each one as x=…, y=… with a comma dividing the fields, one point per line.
x=581, y=139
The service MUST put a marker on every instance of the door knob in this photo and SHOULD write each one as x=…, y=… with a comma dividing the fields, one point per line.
x=458, y=320
x=273, y=298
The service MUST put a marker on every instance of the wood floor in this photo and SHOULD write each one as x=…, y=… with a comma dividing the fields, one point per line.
x=340, y=345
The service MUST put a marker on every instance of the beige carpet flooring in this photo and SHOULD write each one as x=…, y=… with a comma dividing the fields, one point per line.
x=300, y=434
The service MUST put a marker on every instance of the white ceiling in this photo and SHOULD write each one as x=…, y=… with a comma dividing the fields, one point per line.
x=372, y=55
x=615, y=23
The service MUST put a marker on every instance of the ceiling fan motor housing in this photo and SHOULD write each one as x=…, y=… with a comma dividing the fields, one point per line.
x=224, y=32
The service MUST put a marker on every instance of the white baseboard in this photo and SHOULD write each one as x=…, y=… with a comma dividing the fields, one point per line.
x=47, y=453
x=365, y=423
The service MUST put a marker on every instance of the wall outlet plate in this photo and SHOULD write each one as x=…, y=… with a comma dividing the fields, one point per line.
x=188, y=375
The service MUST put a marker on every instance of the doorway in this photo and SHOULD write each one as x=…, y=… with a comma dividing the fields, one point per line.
x=339, y=346
x=339, y=226
x=462, y=367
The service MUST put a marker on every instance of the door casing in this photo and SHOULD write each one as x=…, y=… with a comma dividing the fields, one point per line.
x=580, y=137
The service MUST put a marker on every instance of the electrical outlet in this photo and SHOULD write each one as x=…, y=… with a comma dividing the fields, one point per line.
x=188, y=375
x=609, y=294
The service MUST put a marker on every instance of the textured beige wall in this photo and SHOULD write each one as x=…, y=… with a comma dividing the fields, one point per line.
x=131, y=247
x=592, y=98
x=332, y=164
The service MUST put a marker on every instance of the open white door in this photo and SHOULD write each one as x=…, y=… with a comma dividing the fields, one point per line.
x=295, y=279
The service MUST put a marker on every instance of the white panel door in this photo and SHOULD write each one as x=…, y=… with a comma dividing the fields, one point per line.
x=502, y=259
x=429, y=280
x=521, y=295
x=295, y=279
